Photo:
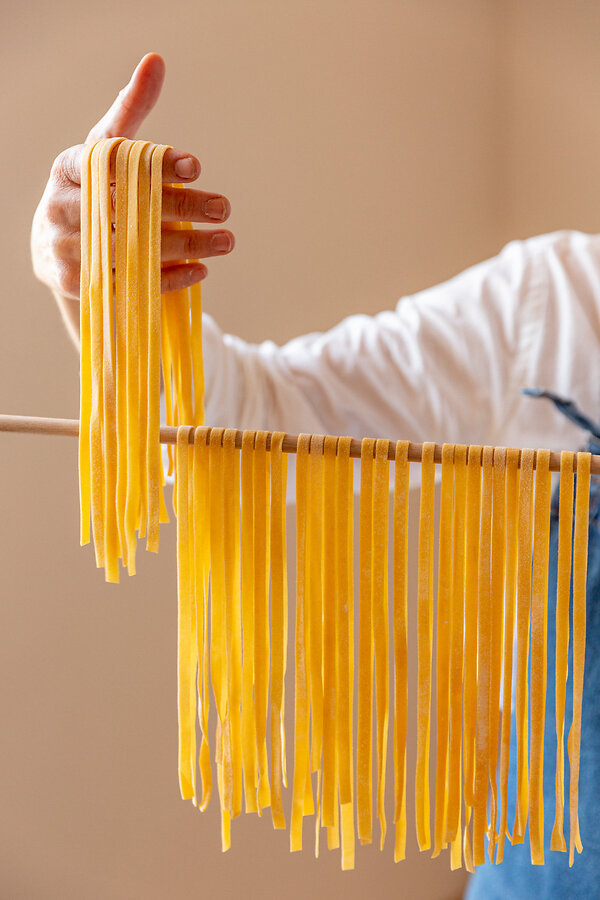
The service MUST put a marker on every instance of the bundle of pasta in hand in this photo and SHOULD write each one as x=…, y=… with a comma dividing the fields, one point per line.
x=126, y=329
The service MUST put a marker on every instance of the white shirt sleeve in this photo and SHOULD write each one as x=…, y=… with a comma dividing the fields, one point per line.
x=447, y=364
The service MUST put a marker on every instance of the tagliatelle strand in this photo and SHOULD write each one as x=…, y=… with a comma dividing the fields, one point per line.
x=400, y=616
x=580, y=549
x=563, y=596
x=364, y=750
x=424, y=644
x=539, y=594
x=524, y=556
x=510, y=589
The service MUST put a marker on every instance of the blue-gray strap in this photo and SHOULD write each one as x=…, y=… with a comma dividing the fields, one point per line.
x=567, y=408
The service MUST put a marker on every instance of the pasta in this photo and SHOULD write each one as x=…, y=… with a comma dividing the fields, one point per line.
x=486, y=489
x=126, y=335
x=492, y=538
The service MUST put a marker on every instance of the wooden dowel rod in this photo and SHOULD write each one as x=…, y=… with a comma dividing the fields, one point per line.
x=168, y=435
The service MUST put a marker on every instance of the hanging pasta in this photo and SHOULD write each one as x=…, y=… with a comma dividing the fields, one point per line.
x=491, y=535
x=122, y=345
x=484, y=492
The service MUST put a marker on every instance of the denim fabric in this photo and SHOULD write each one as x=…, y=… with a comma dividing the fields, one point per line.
x=515, y=877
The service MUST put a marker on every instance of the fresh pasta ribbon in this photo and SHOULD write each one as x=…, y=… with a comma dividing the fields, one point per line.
x=484, y=622
x=563, y=594
x=425, y=635
x=510, y=589
x=444, y=606
x=364, y=750
x=539, y=592
x=278, y=624
x=497, y=586
x=457, y=623
x=400, y=616
x=473, y=515
x=379, y=588
x=344, y=610
x=186, y=641
x=201, y=531
x=249, y=746
x=330, y=662
x=301, y=723
x=524, y=556
x=580, y=546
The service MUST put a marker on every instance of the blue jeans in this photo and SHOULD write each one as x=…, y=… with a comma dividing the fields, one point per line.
x=515, y=877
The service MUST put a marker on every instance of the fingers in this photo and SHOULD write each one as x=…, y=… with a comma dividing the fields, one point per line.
x=180, y=167
x=66, y=168
x=175, y=278
x=177, y=166
x=194, y=244
x=189, y=205
x=134, y=102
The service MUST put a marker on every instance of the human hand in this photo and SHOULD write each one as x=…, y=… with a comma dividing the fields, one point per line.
x=55, y=237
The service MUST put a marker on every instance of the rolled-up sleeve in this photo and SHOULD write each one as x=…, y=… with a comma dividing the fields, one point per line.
x=447, y=364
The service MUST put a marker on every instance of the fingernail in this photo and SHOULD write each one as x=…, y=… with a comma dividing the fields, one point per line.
x=215, y=208
x=221, y=242
x=195, y=274
x=185, y=168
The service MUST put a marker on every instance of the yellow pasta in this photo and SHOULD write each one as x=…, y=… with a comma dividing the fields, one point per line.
x=425, y=633
x=330, y=668
x=484, y=621
x=278, y=607
x=563, y=593
x=444, y=606
x=493, y=540
x=364, y=750
x=457, y=618
x=523, y=620
x=122, y=344
x=400, y=612
x=538, y=654
x=379, y=601
x=512, y=493
x=201, y=525
x=315, y=616
x=580, y=543
x=497, y=585
x=186, y=640
x=344, y=634
x=470, y=657
x=301, y=726
x=249, y=754
x=231, y=529
x=261, y=605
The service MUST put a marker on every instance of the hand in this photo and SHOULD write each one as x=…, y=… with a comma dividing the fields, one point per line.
x=55, y=238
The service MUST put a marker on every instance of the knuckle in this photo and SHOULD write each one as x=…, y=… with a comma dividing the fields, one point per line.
x=185, y=206
x=59, y=166
x=190, y=244
x=68, y=279
x=167, y=282
x=59, y=245
x=55, y=209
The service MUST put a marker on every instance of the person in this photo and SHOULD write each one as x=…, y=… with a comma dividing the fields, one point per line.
x=447, y=364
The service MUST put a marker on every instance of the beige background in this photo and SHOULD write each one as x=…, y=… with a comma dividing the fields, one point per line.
x=369, y=148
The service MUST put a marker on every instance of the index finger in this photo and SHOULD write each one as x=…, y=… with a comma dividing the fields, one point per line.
x=177, y=166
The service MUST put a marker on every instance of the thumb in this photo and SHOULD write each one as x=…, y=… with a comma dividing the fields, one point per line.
x=134, y=102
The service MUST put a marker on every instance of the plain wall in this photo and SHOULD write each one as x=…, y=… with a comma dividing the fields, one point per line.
x=369, y=149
